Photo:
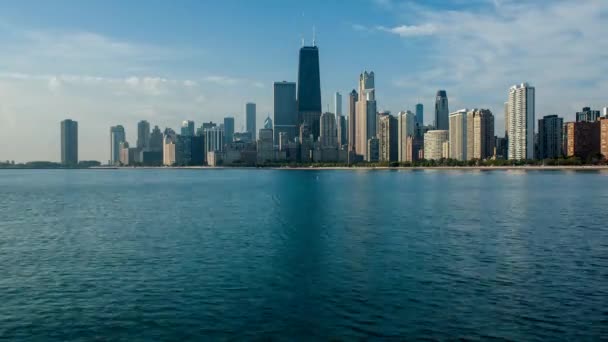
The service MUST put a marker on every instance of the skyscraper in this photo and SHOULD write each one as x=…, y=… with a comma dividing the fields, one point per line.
x=69, y=142
x=407, y=129
x=143, y=135
x=228, y=130
x=250, y=119
x=366, y=113
x=117, y=136
x=441, y=111
x=214, y=139
x=420, y=114
x=342, y=131
x=605, y=112
x=169, y=141
x=187, y=128
x=285, y=110
x=458, y=135
x=309, y=89
x=353, y=97
x=328, y=132
x=521, y=122
x=550, y=133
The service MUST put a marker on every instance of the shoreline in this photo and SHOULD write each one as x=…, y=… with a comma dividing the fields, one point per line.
x=354, y=168
x=346, y=168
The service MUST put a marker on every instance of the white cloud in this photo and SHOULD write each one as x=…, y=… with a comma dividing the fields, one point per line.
x=411, y=30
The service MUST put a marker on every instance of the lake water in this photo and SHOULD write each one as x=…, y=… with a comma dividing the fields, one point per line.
x=140, y=255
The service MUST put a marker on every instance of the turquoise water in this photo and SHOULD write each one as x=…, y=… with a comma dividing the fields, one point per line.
x=241, y=254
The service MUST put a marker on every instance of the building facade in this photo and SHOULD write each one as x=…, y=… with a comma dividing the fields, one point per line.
x=169, y=140
x=156, y=140
x=265, y=146
x=214, y=139
x=69, y=142
x=550, y=134
x=434, y=142
x=420, y=114
x=442, y=111
x=604, y=137
x=187, y=129
x=521, y=107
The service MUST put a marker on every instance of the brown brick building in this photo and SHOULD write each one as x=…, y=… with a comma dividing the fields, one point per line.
x=582, y=139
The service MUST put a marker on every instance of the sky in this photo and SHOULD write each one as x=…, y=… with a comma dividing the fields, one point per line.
x=111, y=62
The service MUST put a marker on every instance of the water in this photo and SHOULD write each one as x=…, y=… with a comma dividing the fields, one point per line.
x=240, y=254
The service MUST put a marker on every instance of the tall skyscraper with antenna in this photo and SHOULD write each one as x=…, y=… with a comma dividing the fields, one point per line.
x=309, y=88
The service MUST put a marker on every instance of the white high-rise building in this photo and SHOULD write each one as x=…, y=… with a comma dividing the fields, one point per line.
x=434, y=142
x=117, y=136
x=406, y=128
x=458, y=135
x=605, y=112
x=169, y=152
x=521, y=121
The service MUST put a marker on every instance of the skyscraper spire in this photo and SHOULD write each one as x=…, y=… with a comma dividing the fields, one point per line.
x=314, y=36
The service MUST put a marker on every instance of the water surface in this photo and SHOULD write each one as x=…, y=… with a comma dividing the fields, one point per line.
x=283, y=254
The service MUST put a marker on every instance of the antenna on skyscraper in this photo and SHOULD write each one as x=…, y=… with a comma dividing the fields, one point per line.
x=314, y=34
x=302, y=41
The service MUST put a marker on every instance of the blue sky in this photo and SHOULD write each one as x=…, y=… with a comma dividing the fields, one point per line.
x=116, y=62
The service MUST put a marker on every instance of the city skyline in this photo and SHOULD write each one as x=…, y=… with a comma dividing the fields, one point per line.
x=102, y=77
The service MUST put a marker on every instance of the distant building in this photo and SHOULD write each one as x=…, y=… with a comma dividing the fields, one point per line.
x=328, y=136
x=214, y=138
x=458, y=135
x=442, y=111
x=341, y=126
x=156, y=140
x=143, y=135
x=228, y=130
x=250, y=119
x=285, y=110
x=587, y=115
x=420, y=114
x=480, y=134
x=605, y=112
x=117, y=136
x=265, y=146
x=434, y=144
x=183, y=150
x=268, y=123
x=550, y=133
x=353, y=98
x=388, y=138
x=366, y=113
x=187, y=128
x=124, y=154
x=69, y=142
x=582, y=139
x=500, y=147
x=406, y=130
x=373, y=150
x=521, y=107
x=169, y=141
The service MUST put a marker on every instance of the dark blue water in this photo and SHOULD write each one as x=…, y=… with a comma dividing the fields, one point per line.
x=242, y=254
